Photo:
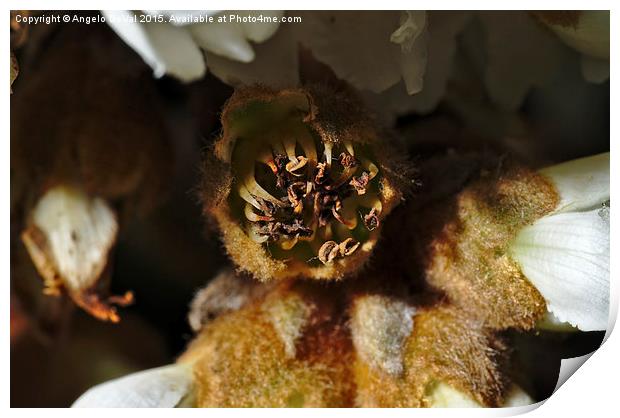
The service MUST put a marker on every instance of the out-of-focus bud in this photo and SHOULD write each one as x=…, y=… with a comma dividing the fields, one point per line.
x=68, y=237
x=300, y=182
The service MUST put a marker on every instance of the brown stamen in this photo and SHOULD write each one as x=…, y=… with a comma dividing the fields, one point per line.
x=321, y=175
x=360, y=183
x=348, y=247
x=371, y=220
x=328, y=252
x=347, y=160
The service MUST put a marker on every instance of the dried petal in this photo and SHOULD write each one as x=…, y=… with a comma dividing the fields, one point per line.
x=69, y=237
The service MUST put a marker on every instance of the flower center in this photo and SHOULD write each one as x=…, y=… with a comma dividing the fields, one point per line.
x=317, y=199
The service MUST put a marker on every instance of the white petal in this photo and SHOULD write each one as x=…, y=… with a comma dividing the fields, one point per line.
x=275, y=64
x=443, y=27
x=163, y=387
x=517, y=397
x=521, y=54
x=583, y=184
x=391, y=103
x=70, y=235
x=443, y=395
x=355, y=44
x=566, y=256
x=412, y=36
x=225, y=39
x=551, y=323
x=261, y=31
x=166, y=48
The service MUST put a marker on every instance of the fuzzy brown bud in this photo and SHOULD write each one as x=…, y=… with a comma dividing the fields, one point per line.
x=299, y=182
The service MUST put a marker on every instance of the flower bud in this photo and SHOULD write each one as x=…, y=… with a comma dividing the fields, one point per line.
x=462, y=239
x=300, y=183
x=290, y=349
x=309, y=344
x=403, y=353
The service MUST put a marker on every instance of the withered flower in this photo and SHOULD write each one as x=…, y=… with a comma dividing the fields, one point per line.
x=300, y=182
x=96, y=156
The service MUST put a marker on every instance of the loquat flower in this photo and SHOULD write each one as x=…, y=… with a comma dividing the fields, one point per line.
x=300, y=182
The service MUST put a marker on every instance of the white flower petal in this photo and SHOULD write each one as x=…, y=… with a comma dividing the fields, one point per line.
x=225, y=39
x=275, y=64
x=261, y=31
x=520, y=55
x=69, y=236
x=517, y=397
x=443, y=27
x=583, y=184
x=167, y=49
x=163, y=387
x=551, y=323
x=412, y=36
x=566, y=256
x=355, y=44
x=391, y=103
x=443, y=395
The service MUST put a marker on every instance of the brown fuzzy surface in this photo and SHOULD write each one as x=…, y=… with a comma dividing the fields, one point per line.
x=241, y=361
x=335, y=116
x=461, y=242
x=445, y=346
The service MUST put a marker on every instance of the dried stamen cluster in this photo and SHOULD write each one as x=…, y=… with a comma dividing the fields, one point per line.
x=309, y=195
x=300, y=182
